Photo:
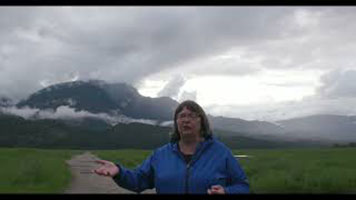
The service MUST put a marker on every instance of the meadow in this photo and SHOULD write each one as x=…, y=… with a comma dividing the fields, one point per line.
x=326, y=170
x=281, y=171
x=28, y=170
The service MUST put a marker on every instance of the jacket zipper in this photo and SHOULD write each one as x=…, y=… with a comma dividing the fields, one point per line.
x=187, y=178
x=188, y=169
x=186, y=172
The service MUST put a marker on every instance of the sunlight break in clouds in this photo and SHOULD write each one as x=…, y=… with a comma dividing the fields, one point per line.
x=267, y=86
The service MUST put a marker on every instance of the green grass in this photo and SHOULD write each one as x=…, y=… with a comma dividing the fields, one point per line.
x=329, y=170
x=25, y=170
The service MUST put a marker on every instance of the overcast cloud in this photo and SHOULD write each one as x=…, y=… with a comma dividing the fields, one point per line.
x=40, y=46
x=120, y=43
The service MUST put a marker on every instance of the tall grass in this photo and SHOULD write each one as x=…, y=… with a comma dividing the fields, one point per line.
x=25, y=170
x=330, y=170
x=301, y=170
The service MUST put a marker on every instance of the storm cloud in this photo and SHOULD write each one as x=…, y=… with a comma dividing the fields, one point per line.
x=118, y=44
x=40, y=46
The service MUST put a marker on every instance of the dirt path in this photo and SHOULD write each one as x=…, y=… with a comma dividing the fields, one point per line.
x=84, y=181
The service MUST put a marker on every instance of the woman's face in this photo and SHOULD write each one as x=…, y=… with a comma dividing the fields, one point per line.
x=189, y=124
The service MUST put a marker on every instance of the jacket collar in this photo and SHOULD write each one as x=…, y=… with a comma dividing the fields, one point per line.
x=200, y=147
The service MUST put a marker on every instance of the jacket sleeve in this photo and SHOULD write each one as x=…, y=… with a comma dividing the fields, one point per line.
x=238, y=180
x=138, y=179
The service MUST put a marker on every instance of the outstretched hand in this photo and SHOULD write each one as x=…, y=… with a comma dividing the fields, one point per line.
x=216, y=189
x=107, y=168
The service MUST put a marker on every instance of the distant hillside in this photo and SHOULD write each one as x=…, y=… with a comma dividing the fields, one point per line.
x=324, y=127
x=317, y=128
x=18, y=132
x=237, y=140
x=244, y=126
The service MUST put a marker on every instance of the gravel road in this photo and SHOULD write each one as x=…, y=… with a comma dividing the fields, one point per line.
x=84, y=181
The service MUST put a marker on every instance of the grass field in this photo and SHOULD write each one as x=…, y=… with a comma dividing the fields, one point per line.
x=329, y=170
x=24, y=170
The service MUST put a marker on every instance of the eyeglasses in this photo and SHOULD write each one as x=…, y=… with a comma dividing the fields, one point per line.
x=187, y=115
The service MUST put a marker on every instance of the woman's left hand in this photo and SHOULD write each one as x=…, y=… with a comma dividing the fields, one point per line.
x=216, y=189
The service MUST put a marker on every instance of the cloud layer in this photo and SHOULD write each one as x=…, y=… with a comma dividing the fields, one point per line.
x=40, y=46
x=125, y=44
x=65, y=112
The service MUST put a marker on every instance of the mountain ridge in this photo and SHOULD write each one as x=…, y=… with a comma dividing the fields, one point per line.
x=100, y=97
x=120, y=99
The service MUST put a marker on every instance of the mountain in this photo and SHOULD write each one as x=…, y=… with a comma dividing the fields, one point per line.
x=249, y=127
x=59, y=134
x=49, y=133
x=238, y=140
x=100, y=97
x=124, y=107
x=231, y=128
x=315, y=128
x=322, y=127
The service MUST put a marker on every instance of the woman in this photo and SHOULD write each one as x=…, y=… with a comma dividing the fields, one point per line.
x=193, y=162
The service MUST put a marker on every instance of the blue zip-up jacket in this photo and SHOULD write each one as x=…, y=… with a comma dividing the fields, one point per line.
x=167, y=171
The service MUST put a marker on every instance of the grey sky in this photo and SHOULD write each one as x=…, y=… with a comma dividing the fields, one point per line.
x=119, y=43
x=45, y=45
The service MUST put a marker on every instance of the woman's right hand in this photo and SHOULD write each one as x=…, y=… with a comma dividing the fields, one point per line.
x=107, y=168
